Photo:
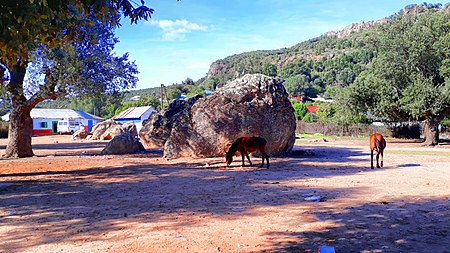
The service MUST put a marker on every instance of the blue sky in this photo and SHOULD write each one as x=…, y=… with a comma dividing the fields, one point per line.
x=184, y=37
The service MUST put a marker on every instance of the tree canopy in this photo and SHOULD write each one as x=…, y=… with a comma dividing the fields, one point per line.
x=59, y=37
x=410, y=76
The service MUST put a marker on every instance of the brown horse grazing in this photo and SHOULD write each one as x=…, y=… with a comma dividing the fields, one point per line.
x=377, y=143
x=246, y=145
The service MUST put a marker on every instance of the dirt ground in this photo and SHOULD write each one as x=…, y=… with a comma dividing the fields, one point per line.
x=70, y=199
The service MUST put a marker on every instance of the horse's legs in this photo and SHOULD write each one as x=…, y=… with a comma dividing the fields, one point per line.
x=243, y=162
x=378, y=156
x=371, y=159
x=246, y=154
x=381, y=158
x=264, y=155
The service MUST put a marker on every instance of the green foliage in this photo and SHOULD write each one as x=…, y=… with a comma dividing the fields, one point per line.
x=173, y=92
x=329, y=93
x=211, y=83
x=325, y=112
x=192, y=90
x=348, y=107
x=188, y=81
x=270, y=70
x=300, y=110
x=407, y=79
x=298, y=85
x=309, y=117
x=28, y=23
x=446, y=122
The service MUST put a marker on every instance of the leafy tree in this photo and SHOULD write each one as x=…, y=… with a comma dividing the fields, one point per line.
x=188, y=81
x=299, y=85
x=325, y=112
x=211, y=83
x=346, y=77
x=409, y=78
x=193, y=90
x=27, y=26
x=173, y=92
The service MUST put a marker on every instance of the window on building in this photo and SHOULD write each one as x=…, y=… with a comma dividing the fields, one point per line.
x=44, y=124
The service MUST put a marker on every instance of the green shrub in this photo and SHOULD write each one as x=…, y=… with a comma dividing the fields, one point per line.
x=300, y=110
x=308, y=118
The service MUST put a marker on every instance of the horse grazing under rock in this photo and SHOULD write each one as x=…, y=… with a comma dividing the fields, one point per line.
x=377, y=144
x=246, y=145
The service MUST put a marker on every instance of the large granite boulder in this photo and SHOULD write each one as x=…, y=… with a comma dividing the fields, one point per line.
x=157, y=129
x=254, y=105
x=99, y=129
x=112, y=132
x=109, y=129
x=124, y=143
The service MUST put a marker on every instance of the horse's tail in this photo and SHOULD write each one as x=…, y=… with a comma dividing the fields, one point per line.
x=378, y=145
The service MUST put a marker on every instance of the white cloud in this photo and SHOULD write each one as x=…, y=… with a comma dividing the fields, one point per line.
x=176, y=29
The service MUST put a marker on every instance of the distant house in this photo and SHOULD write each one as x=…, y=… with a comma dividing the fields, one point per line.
x=135, y=98
x=45, y=121
x=136, y=115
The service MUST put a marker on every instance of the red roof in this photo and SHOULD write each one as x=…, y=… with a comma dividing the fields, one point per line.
x=312, y=108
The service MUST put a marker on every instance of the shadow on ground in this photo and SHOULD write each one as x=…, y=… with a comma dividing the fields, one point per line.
x=399, y=226
x=67, y=205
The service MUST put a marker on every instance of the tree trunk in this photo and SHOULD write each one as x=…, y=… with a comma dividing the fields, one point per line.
x=20, y=133
x=20, y=122
x=431, y=131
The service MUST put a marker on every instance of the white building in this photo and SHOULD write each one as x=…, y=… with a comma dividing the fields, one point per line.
x=136, y=115
x=45, y=121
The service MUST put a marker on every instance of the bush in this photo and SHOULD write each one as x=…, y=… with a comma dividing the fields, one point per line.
x=4, y=129
x=308, y=118
x=300, y=110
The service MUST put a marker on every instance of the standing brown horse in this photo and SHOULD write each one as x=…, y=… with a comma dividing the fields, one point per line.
x=377, y=144
x=246, y=145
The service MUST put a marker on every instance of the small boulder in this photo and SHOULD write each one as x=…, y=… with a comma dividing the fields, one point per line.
x=124, y=143
x=131, y=128
x=80, y=134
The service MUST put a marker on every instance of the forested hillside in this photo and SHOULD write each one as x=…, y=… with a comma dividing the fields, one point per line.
x=394, y=69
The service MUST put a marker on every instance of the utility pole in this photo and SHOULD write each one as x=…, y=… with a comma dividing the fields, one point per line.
x=163, y=94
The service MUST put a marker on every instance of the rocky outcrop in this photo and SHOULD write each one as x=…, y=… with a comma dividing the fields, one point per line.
x=124, y=143
x=355, y=28
x=255, y=105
